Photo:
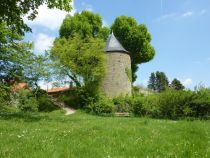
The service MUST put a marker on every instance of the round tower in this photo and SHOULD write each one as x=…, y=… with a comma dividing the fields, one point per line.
x=117, y=80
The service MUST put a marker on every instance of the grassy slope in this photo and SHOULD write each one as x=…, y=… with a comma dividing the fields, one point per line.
x=86, y=136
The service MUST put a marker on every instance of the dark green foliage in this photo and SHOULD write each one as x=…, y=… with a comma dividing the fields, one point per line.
x=174, y=104
x=200, y=104
x=176, y=84
x=152, y=82
x=4, y=93
x=123, y=104
x=44, y=102
x=12, y=11
x=26, y=101
x=136, y=39
x=75, y=98
x=161, y=81
x=158, y=82
x=138, y=108
x=103, y=106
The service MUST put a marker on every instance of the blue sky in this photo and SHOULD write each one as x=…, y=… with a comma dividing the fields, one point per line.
x=180, y=32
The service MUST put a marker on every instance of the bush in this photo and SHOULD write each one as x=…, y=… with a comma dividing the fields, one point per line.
x=103, y=106
x=26, y=101
x=174, y=104
x=4, y=95
x=138, y=108
x=123, y=104
x=44, y=102
x=76, y=98
x=200, y=104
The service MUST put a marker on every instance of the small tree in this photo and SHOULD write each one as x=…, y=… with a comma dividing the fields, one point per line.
x=158, y=81
x=152, y=82
x=161, y=81
x=177, y=85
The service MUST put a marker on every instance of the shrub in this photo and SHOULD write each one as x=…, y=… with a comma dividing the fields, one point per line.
x=138, y=108
x=173, y=104
x=4, y=95
x=103, y=106
x=27, y=102
x=150, y=105
x=123, y=104
x=200, y=104
x=45, y=104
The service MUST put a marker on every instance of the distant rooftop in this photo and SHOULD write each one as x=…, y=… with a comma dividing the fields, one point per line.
x=113, y=45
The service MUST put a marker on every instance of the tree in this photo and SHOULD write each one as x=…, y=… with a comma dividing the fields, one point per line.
x=135, y=39
x=17, y=61
x=86, y=24
x=152, y=82
x=78, y=52
x=83, y=58
x=13, y=52
x=12, y=11
x=158, y=81
x=161, y=81
x=177, y=85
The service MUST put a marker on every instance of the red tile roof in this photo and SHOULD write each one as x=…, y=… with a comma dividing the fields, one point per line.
x=18, y=86
x=60, y=89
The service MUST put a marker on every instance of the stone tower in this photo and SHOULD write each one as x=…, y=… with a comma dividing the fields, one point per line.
x=117, y=80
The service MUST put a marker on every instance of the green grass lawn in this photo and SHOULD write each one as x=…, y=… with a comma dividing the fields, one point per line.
x=85, y=136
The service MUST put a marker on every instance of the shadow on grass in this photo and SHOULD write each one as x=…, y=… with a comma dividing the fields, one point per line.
x=28, y=117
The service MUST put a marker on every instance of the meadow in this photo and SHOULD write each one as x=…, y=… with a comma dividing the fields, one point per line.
x=82, y=135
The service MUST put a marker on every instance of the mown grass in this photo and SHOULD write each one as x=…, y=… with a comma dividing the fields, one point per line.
x=86, y=136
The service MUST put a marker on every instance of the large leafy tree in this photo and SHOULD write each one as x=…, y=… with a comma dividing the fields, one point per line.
x=77, y=53
x=12, y=54
x=86, y=23
x=136, y=39
x=81, y=58
x=17, y=61
x=12, y=11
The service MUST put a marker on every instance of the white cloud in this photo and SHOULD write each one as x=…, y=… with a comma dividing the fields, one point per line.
x=203, y=12
x=188, y=14
x=43, y=42
x=187, y=81
x=49, y=18
x=181, y=15
x=166, y=16
x=86, y=6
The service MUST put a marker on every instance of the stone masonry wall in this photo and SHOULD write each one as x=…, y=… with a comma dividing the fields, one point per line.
x=117, y=81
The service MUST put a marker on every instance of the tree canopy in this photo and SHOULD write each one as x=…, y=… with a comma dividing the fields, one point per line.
x=17, y=61
x=177, y=85
x=12, y=11
x=136, y=39
x=82, y=58
x=86, y=23
x=78, y=52
x=158, y=81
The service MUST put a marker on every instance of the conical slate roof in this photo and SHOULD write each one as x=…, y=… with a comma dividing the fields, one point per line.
x=113, y=45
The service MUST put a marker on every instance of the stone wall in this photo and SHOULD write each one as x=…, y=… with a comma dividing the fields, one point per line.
x=117, y=80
